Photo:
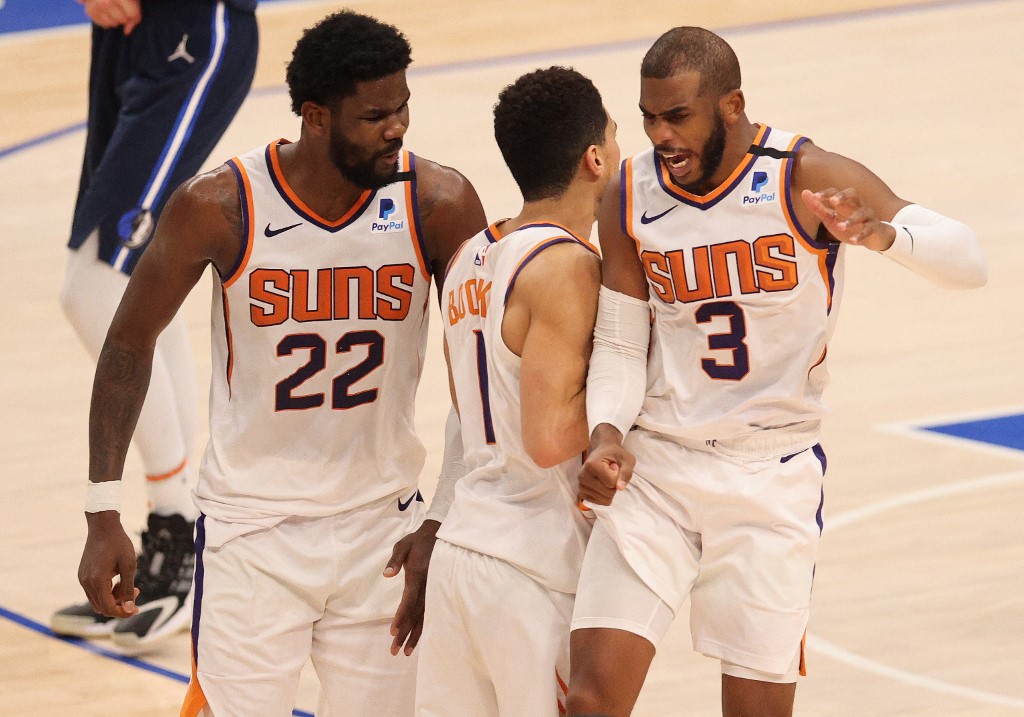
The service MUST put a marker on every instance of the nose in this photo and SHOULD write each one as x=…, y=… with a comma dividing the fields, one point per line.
x=661, y=132
x=397, y=126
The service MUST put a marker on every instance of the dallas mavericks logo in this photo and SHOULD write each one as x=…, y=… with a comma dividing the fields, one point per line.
x=758, y=183
x=135, y=227
x=384, y=221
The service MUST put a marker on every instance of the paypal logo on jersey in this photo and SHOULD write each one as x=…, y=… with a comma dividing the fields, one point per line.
x=759, y=182
x=386, y=224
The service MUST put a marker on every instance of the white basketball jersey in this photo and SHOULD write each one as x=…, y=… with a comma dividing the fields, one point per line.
x=506, y=506
x=318, y=341
x=744, y=300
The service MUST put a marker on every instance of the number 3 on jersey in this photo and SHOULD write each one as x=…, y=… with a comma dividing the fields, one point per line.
x=284, y=396
x=730, y=341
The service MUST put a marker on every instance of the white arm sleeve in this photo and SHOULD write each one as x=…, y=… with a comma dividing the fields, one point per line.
x=617, y=378
x=452, y=468
x=942, y=250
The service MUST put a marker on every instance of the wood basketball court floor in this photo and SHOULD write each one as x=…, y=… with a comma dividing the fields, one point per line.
x=918, y=606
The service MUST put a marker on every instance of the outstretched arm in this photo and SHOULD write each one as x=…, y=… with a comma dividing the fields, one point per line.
x=854, y=206
x=195, y=229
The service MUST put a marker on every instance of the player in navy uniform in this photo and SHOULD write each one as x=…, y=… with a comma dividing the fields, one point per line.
x=166, y=79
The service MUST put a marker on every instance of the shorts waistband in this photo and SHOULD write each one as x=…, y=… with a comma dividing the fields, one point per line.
x=763, y=444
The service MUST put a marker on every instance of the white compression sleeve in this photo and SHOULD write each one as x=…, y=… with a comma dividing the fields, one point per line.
x=452, y=468
x=617, y=379
x=942, y=250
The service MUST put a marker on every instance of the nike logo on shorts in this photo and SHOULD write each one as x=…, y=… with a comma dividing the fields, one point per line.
x=415, y=496
x=268, y=232
x=644, y=219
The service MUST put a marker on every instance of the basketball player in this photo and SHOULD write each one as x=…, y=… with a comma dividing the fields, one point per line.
x=323, y=251
x=165, y=81
x=733, y=235
x=521, y=298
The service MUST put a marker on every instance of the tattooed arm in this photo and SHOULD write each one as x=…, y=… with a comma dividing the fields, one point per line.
x=200, y=225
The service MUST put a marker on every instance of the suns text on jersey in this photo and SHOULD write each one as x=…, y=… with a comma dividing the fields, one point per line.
x=767, y=264
x=327, y=294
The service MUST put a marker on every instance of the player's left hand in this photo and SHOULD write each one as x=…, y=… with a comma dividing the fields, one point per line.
x=848, y=220
x=413, y=553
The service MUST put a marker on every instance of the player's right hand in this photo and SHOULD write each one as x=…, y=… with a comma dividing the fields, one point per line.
x=114, y=13
x=108, y=553
x=608, y=468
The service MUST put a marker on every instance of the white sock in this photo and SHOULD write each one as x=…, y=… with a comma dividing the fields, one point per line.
x=171, y=493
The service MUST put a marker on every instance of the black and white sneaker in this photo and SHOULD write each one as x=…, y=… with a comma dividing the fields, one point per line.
x=163, y=576
x=80, y=620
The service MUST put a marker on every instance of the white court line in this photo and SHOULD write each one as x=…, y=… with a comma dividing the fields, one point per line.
x=850, y=517
x=921, y=429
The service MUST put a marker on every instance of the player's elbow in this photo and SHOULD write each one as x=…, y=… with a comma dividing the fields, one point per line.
x=974, y=276
x=548, y=448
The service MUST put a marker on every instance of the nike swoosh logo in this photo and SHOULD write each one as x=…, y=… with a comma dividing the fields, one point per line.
x=274, y=232
x=644, y=219
x=415, y=496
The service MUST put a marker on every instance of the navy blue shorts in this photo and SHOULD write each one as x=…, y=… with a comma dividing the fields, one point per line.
x=159, y=100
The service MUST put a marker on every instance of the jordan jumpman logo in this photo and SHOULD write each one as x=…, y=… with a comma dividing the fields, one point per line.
x=181, y=53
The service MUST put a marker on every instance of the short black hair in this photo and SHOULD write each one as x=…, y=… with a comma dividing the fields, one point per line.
x=686, y=49
x=339, y=51
x=543, y=123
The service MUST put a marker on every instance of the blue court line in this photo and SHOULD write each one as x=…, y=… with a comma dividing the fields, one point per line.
x=43, y=139
x=95, y=649
x=596, y=49
x=1006, y=431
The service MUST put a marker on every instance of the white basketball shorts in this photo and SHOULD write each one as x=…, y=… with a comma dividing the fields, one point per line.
x=308, y=588
x=738, y=536
x=495, y=641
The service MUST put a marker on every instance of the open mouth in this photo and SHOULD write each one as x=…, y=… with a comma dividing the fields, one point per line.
x=677, y=163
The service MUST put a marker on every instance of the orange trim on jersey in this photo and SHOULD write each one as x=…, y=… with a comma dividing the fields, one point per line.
x=821, y=358
x=561, y=682
x=275, y=165
x=727, y=185
x=195, y=700
x=803, y=655
x=797, y=231
x=414, y=230
x=494, y=233
x=169, y=474
x=247, y=188
x=627, y=201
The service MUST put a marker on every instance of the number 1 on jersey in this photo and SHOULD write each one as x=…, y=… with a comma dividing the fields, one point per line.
x=485, y=398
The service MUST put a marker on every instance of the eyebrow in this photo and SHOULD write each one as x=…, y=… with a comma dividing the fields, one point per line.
x=374, y=109
x=671, y=110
